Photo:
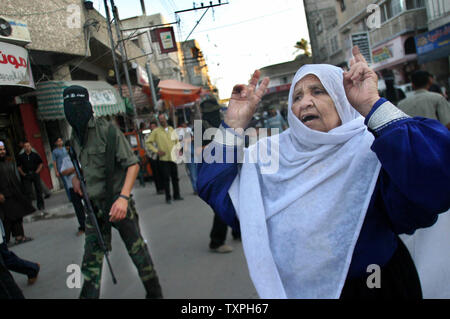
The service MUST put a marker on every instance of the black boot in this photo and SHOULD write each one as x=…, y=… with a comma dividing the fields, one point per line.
x=153, y=288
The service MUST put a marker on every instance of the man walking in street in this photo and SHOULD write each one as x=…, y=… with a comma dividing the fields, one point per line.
x=155, y=164
x=58, y=154
x=424, y=103
x=44, y=187
x=68, y=172
x=13, y=263
x=30, y=165
x=211, y=118
x=110, y=169
x=166, y=139
x=14, y=204
x=8, y=287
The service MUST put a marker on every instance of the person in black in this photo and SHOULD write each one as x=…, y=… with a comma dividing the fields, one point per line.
x=211, y=118
x=391, y=92
x=14, y=263
x=8, y=287
x=30, y=164
x=14, y=205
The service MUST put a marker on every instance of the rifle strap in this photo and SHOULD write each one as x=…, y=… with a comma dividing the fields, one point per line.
x=110, y=165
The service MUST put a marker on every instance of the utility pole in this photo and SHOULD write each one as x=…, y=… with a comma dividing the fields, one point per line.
x=150, y=76
x=122, y=53
x=113, y=52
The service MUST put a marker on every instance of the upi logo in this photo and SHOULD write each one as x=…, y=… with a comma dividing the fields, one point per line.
x=373, y=20
x=74, y=279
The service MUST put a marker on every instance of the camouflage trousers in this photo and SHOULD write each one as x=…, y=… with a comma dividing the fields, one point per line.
x=137, y=249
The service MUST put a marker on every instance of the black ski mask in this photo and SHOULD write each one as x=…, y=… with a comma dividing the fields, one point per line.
x=78, y=110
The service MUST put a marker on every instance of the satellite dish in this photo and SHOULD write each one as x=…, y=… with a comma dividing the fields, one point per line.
x=5, y=28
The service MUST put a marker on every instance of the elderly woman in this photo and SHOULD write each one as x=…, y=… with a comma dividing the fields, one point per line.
x=354, y=172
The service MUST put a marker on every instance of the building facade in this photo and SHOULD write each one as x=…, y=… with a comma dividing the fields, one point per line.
x=67, y=43
x=390, y=25
x=323, y=30
x=196, y=69
x=165, y=66
x=433, y=46
x=281, y=76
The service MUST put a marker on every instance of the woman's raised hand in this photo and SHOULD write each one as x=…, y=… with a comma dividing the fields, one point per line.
x=243, y=101
x=361, y=84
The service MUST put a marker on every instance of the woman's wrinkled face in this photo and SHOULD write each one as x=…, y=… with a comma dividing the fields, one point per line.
x=313, y=106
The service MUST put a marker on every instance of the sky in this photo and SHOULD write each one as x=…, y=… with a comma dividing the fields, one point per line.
x=236, y=38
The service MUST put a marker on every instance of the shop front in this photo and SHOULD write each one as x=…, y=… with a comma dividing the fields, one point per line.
x=16, y=118
x=433, y=50
x=397, y=55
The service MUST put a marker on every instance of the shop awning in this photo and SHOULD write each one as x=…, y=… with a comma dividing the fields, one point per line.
x=104, y=98
x=179, y=93
x=406, y=58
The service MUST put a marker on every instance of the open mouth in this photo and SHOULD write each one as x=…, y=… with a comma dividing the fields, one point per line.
x=309, y=118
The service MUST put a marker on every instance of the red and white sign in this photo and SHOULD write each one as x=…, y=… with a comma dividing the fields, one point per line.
x=166, y=39
x=14, y=66
x=279, y=88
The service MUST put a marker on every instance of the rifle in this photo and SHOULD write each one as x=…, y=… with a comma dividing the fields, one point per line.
x=88, y=207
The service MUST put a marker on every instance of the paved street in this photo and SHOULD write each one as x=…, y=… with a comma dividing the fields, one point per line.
x=178, y=237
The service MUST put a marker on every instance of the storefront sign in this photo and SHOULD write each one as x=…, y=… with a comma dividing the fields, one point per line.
x=14, y=66
x=391, y=53
x=382, y=54
x=103, y=97
x=433, y=40
x=166, y=39
x=279, y=88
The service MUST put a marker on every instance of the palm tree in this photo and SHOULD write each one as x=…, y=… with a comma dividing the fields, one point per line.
x=303, y=45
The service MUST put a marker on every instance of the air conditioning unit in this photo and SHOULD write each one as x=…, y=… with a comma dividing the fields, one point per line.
x=14, y=31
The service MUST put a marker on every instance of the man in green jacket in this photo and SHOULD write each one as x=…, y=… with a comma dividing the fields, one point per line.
x=90, y=140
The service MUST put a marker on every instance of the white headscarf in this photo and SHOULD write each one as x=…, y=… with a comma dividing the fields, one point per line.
x=300, y=225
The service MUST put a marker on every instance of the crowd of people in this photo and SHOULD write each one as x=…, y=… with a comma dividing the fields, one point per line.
x=356, y=170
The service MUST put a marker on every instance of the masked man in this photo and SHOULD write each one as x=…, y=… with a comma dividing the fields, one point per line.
x=91, y=139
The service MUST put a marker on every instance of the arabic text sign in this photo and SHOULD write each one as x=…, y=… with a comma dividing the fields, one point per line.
x=433, y=40
x=14, y=67
x=103, y=97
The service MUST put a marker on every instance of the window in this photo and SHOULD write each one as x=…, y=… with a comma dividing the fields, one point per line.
x=334, y=44
x=414, y=4
x=197, y=70
x=383, y=13
x=438, y=8
x=396, y=7
x=392, y=8
x=342, y=5
x=319, y=26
